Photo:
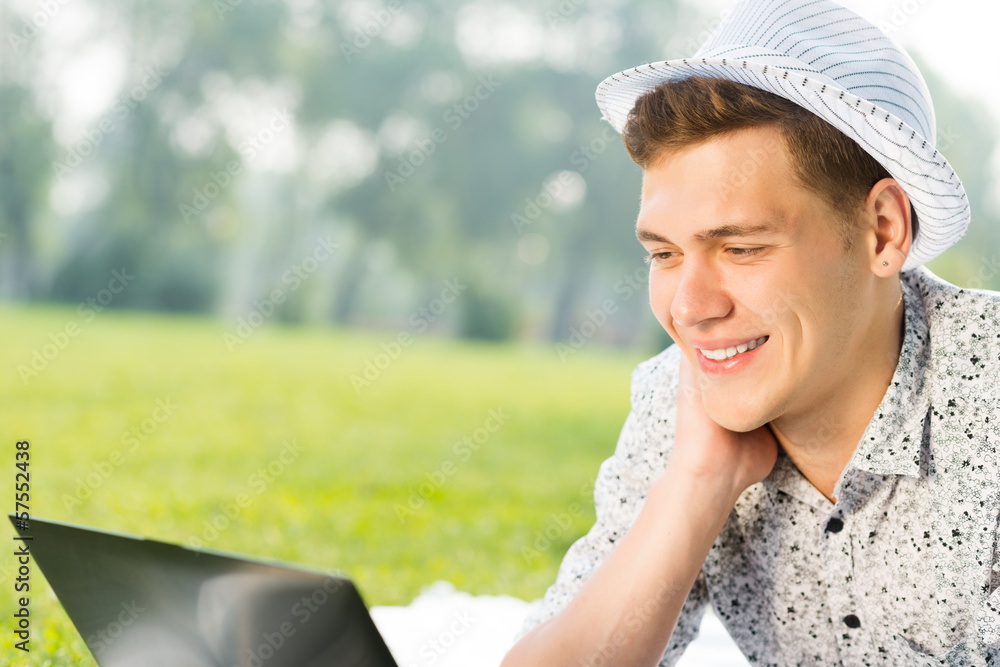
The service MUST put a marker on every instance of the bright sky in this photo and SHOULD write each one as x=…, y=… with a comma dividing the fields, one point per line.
x=952, y=35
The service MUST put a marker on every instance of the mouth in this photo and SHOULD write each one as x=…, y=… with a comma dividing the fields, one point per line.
x=725, y=353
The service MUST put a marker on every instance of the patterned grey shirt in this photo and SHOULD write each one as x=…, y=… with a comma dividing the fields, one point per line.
x=903, y=569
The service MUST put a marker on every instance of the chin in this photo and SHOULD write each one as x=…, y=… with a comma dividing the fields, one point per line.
x=741, y=420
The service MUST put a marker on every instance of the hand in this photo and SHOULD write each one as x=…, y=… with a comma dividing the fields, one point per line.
x=710, y=452
x=655, y=565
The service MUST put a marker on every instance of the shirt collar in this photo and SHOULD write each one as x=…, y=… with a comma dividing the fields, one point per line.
x=785, y=477
x=892, y=442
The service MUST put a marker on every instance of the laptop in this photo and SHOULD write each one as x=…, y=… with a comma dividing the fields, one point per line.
x=143, y=603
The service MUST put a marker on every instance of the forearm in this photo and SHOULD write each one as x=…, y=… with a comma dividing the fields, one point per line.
x=627, y=611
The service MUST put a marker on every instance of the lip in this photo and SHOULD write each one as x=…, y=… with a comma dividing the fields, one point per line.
x=731, y=365
x=722, y=343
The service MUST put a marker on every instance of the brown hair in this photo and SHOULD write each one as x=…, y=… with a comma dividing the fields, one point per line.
x=679, y=114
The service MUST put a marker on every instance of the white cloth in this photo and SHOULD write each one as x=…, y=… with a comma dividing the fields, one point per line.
x=431, y=631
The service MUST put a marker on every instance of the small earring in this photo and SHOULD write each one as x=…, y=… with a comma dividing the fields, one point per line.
x=885, y=263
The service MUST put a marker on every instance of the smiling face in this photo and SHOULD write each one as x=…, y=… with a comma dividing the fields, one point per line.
x=751, y=278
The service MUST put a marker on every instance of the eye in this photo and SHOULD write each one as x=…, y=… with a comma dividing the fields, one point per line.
x=659, y=257
x=743, y=252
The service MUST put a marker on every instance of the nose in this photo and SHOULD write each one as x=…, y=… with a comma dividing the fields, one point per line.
x=699, y=296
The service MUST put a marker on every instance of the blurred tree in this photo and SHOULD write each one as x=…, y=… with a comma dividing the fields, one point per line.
x=967, y=136
x=25, y=153
x=431, y=141
x=26, y=148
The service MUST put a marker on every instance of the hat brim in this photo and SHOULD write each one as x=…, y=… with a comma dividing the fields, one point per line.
x=933, y=187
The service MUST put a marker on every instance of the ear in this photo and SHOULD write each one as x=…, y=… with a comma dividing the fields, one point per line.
x=892, y=232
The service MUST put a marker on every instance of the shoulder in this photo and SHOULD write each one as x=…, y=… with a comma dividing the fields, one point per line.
x=656, y=378
x=963, y=327
x=946, y=302
x=648, y=433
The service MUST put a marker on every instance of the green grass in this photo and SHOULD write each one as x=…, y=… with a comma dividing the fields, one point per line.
x=340, y=503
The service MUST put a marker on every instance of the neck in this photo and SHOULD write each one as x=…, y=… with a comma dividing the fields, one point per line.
x=821, y=443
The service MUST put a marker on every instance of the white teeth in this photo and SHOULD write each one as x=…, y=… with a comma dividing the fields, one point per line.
x=730, y=352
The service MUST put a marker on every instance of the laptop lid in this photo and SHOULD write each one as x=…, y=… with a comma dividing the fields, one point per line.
x=144, y=603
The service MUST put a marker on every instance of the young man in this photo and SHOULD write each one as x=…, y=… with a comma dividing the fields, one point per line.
x=817, y=456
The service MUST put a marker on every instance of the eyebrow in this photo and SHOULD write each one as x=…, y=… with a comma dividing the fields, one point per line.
x=725, y=231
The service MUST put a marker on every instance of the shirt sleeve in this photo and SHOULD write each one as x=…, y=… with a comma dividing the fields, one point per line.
x=619, y=493
x=989, y=616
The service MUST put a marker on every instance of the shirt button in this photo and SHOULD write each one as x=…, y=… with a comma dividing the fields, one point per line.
x=834, y=525
x=852, y=621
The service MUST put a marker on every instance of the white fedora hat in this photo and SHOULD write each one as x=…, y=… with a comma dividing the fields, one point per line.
x=845, y=70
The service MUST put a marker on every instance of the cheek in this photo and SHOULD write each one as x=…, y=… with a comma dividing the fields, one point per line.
x=661, y=294
x=771, y=296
